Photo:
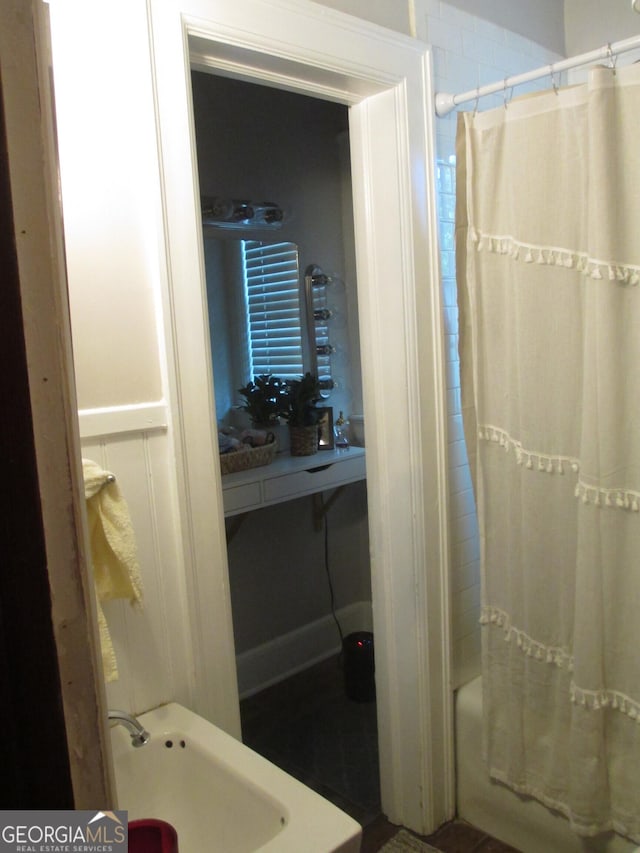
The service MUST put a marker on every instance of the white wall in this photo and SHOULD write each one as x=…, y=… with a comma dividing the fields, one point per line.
x=115, y=332
x=280, y=589
x=111, y=205
x=540, y=21
x=590, y=24
x=393, y=14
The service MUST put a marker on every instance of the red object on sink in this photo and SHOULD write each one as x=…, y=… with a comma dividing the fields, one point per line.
x=152, y=836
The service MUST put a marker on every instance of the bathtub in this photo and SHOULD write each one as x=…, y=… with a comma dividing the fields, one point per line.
x=220, y=796
x=520, y=821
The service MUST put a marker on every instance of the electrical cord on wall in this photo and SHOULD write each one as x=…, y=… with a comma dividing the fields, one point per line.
x=328, y=572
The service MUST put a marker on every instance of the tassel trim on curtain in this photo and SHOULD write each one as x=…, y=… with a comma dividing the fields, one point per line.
x=595, y=700
x=529, y=253
x=618, y=497
x=592, y=700
x=530, y=647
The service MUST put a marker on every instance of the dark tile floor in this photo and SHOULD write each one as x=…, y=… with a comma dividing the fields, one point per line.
x=307, y=726
x=454, y=837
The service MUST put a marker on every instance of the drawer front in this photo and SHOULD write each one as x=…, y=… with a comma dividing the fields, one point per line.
x=307, y=482
x=239, y=498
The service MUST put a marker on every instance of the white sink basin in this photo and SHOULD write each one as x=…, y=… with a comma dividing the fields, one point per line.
x=220, y=796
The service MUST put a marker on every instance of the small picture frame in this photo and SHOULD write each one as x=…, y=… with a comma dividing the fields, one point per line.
x=325, y=428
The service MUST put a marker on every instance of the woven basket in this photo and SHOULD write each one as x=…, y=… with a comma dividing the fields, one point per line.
x=252, y=457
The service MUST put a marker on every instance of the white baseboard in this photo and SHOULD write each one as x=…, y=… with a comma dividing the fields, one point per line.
x=293, y=652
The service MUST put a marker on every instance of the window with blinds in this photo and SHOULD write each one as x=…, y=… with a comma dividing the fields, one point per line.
x=272, y=296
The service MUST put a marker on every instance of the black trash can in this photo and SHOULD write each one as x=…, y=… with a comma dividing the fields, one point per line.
x=359, y=666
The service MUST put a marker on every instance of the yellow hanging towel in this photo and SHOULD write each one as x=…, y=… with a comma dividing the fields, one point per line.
x=113, y=551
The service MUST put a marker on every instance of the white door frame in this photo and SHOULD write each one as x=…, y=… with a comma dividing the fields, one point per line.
x=386, y=80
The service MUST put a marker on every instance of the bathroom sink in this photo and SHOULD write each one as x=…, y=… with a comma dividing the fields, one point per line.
x=220, y=796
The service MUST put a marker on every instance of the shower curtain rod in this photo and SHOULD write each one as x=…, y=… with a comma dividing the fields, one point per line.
x=445, y=103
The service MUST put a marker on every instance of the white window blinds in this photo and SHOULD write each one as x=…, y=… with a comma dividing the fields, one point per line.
x=273, y=308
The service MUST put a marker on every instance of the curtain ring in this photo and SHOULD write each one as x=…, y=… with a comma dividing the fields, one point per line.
x=508, y=93
x=554, y=81
x=475, y=109
x=612, y=59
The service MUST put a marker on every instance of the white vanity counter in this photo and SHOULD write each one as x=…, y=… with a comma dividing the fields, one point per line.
x=289, y=477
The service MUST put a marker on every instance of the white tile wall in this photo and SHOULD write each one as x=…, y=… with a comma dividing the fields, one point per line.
x=467, y=52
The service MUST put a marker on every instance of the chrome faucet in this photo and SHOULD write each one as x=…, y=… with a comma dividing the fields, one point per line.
x=139, y=736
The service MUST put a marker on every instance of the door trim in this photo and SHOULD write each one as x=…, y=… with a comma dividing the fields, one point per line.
x=386, y=80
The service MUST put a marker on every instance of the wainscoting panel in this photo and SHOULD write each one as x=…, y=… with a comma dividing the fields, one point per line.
x=151, y=643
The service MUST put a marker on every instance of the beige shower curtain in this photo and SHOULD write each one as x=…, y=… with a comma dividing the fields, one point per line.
x=548, y=262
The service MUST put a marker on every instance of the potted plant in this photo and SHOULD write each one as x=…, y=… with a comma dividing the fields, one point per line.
x=265, y=399
x=300, y=412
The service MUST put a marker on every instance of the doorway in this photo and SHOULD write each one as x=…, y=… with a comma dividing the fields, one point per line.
x=299, y=574
x=385, y=79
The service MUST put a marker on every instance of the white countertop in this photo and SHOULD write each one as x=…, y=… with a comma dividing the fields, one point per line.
x=289, y=477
